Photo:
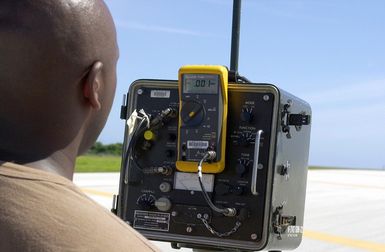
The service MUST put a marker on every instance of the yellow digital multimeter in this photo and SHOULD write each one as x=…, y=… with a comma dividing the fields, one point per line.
x=203, y=101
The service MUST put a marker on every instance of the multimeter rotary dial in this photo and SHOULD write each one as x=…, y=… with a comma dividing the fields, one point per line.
x=192, y=113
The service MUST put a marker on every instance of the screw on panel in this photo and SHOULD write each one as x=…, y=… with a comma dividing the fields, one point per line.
x=189, y=229
x=206, y=216
x=253, y=236
x=140, y=91
x=260, y=166
x=174, y=213
x=192, y=192
x=199, y=216
x=266, y=97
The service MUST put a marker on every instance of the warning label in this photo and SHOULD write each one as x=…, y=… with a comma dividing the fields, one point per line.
x=152, y=220
x=294, y=231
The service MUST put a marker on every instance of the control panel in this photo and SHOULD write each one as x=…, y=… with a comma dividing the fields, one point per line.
x=165, y=202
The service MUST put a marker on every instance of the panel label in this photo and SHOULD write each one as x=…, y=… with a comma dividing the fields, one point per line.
x=294, y=231
x=152, y=220
x=197, y=144
x=160, y=93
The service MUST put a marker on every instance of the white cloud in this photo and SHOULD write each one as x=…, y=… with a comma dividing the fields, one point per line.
x=218, y=2
x=348, y=125
x=355, y=93
x=158, y=28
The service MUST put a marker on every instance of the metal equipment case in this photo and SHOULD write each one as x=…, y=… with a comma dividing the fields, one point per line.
x=268, y=133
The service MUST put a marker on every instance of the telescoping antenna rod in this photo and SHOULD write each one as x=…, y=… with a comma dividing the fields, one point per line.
x=235, y=35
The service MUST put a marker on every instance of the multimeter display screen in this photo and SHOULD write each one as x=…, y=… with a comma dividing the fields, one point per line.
x=200, y=83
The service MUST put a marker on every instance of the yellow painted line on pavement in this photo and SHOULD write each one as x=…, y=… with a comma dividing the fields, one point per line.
x=97, y=192
x=366, y=245
x=325, y=237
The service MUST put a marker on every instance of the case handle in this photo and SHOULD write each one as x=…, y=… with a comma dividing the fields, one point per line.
x=255, y=163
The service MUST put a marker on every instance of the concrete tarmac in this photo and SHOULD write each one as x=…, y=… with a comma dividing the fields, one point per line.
x=345, y=209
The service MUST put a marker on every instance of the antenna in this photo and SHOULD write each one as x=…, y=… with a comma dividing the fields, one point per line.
x=235, y=35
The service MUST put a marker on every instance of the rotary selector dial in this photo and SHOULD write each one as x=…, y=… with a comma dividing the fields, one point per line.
x=192, y=113
x=245, y=138
x=242, y=167
x=247, y=115
x=146, y=201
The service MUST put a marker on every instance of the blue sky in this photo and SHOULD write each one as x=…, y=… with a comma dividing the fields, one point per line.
x=329, y=53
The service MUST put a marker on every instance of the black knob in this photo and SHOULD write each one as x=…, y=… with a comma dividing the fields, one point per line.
x=222, y=189
x=240, y=169
x=146, y=201
x=172, y=137
x=242, y=140
x=238, y=190
x=245, y=139
x=247, y=115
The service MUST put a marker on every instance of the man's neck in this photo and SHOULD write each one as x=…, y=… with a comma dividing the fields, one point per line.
x=58, y=163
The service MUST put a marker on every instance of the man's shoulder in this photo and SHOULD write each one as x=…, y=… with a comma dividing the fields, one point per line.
x=44, y=207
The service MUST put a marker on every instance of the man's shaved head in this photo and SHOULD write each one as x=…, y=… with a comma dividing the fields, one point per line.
x=57, y=76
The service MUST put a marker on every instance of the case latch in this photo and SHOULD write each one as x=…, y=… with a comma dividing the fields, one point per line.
x=282, y=222
x=123, y=108
x=297, y=120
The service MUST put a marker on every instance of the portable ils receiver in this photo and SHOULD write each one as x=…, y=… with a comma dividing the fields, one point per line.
x=213, y=161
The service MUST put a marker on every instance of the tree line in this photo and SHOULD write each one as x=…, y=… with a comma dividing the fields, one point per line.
x=106, y=149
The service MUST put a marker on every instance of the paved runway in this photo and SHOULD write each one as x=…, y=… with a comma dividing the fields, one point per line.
x=345, y=209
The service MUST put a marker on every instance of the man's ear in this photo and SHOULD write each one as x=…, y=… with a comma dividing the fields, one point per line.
x=92, y=83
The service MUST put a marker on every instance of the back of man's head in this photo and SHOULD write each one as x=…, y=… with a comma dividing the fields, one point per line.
x=57, y=76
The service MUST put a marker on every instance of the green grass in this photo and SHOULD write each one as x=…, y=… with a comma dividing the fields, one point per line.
x=321, y=168
x=93, y=163
x=106, y=163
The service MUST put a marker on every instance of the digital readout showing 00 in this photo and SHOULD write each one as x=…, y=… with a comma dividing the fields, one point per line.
x=200, y=83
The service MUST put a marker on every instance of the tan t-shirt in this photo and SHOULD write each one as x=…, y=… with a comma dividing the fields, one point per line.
x=40, y=211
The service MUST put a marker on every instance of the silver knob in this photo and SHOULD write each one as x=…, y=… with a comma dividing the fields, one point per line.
x=163, y=204
x=165, y=187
